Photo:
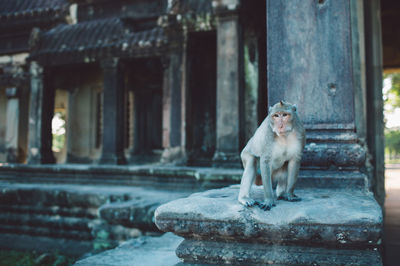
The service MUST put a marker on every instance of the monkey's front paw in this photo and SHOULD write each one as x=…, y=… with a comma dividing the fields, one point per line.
x=282, y=197
x=248, y=202
x=266, y=205
x=293, y=198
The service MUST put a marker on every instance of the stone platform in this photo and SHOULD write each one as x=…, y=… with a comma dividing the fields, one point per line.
x=328, y=227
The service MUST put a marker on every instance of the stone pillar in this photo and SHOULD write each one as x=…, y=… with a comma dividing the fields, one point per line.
x=113, y=112
x=309, y=62
x=229, y=84
x=173, y=107
x=12, y=130
x=40, y=116
x=375, y=124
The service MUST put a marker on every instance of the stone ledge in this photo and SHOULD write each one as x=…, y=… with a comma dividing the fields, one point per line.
x=333, y=219
x=329, y=217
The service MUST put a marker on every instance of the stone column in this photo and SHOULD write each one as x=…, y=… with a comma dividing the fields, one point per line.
x=113, y=112
x=229, y=84
x=40, y=116
x=375, y=124
x=12, y=130
x=309, y=62
x=173, y=104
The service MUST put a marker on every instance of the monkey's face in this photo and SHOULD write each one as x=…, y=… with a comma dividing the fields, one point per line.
x=282, y=122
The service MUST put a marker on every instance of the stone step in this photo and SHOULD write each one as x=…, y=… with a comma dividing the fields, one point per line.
x=43, y=244
x=61, y=195
x=50, y=222
x=164, y=177
x=143, y=251
x=333, y=219
x=30, y=230
x=79, y=212
x=72, y=211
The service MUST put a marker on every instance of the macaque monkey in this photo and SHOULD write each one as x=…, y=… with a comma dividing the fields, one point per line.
x=279, y=143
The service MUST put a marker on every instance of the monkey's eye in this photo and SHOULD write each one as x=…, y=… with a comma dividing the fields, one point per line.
x=285, y=114
x=276, y=115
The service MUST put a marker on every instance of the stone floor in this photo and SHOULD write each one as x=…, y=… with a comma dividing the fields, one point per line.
x=392, y=216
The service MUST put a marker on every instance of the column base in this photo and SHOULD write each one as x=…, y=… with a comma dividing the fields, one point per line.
x=44, y=158
x=173, y=155
x=227, y=160
x=71, y=158
x=112, y=159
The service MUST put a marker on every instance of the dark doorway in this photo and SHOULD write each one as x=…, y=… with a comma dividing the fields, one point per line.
x=201, y=103
x=144, y=112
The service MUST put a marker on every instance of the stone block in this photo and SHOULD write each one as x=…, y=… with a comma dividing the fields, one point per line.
x=238, y=253
x=325, y=221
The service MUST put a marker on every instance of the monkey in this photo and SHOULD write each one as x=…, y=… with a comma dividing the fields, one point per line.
x=278, y=143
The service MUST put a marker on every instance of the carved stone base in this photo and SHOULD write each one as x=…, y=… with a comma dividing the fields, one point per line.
x=174, y=155
x=333, y=149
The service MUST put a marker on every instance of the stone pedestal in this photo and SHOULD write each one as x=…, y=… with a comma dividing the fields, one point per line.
x=328, y=227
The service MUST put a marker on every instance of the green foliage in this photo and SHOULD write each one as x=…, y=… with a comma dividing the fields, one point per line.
x=58, y=131
x=392, y=142
x=16, y=258
x=21, y=258
x=394, y=90
x=102, y=241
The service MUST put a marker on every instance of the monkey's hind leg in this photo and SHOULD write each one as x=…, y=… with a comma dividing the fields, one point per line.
x=249, y=174
x=293, y=172
x=266, y=175
x=280, y=177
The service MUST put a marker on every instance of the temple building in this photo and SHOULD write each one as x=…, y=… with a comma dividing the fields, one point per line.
x=136, y=81
x=162, y=93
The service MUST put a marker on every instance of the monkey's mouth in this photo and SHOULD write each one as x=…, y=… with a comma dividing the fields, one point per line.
x=284, y=131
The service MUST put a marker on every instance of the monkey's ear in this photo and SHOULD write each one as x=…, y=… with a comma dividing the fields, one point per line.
x=294, y=107
x=281, y=103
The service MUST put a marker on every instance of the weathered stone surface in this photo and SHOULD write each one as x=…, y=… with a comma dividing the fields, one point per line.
x=98, y=216
x=260, y=254
x=340, y=155
x=142, y=251
x=309, y=59
x=139, y=211
x=323, y=217
x=327, y=227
